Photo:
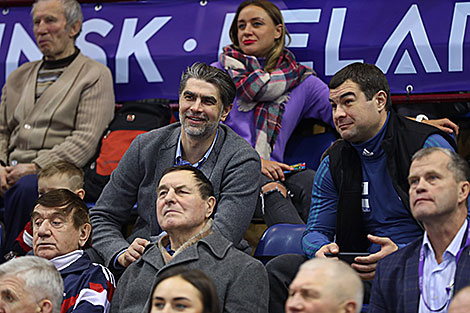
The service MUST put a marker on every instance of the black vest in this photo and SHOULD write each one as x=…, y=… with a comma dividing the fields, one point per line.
x=402, y=139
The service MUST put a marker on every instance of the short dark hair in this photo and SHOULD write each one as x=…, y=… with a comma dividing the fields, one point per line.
x=69, y=170
x=68, y=202
x=197, y=278
x=203, y=183
x=214, y=76
x=369, y=77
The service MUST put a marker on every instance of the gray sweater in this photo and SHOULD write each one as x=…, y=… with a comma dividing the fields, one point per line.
x=233, y=167
x=241, y=281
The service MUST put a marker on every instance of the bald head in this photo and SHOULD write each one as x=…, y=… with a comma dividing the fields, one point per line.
x=325, y=286
x=461, y=301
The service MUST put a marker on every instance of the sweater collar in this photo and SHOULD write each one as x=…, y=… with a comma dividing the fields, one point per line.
x=372, y=149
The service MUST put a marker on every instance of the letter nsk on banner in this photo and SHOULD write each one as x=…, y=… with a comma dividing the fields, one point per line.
x=148, y=44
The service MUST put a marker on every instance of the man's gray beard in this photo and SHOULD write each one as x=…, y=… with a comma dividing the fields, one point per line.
x=200, y=132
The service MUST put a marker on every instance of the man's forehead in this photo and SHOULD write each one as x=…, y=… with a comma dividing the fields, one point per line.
x=54, y=7
x=347, y=88
x=201, y=88
x=177, y=178
x=309, y=276
x=436, y=160
x=46, y=211
x=12, y=279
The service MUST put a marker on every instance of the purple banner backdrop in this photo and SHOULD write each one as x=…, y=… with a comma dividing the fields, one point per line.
x=423, y=44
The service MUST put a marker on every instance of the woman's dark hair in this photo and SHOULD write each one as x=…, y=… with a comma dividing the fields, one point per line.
x=276, y=16
x=200, y=281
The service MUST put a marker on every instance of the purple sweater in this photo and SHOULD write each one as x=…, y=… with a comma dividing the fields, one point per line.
x=307, y=100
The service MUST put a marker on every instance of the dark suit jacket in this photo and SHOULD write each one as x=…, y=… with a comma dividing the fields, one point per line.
x=395, y=287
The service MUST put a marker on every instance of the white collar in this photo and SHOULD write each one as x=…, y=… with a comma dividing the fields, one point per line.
x=65, y=260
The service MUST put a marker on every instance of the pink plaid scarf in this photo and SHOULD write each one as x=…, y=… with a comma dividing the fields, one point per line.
x=265, y=92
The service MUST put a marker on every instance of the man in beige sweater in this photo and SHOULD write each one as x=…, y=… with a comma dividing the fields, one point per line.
x=53, y=109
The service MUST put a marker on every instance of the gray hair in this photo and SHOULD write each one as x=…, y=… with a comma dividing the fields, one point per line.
x=213, y=75
x=345, y=282
x=72, y=12
x=457, y=165
x=41, y=278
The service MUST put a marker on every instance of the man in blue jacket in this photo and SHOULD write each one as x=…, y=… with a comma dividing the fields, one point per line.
x=360, y=191
x=424, y=276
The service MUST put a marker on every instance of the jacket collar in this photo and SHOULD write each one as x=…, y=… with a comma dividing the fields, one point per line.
x=216, y=243
x=75, y=261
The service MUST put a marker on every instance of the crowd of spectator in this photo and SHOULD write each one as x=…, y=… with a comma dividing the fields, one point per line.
x=391, y=192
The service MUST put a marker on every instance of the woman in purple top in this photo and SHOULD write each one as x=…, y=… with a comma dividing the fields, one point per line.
x=274, y=93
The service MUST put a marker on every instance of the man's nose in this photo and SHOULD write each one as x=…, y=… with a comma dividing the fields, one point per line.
x=41, y=27
x=197, y=105
x=294, y=302
x=420, y=185
x=170, y=196
x=44, y=229
x=338, y=112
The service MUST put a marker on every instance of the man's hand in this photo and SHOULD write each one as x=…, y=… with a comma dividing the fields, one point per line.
x=365, y=265
x=443, y=124
x=274, y=170
x=3, y=180
x=135, y=251
x=20, y=170
x=329, y=248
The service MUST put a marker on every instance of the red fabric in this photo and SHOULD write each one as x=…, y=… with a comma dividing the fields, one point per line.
x=113, y=147
x=20, y=238
x=111, y=289
x=68, y=303
x=96, y=287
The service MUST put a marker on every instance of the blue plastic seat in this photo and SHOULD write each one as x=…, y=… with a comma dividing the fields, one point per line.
x=280, y=239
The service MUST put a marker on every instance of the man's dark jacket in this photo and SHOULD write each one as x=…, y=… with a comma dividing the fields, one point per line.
x=402, y=139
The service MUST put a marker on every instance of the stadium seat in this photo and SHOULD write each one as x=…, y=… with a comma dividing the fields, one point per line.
x=308, y=149
x=280, y=239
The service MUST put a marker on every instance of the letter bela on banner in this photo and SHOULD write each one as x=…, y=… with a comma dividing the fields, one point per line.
x=148, y=44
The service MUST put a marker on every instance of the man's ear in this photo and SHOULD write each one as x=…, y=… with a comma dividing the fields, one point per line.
x=464, y=189
x=350, y=306
x=75, y=29
x=210, y=206
x=225, y=112
x=81, y=193
x=381, y=100
x=45, y=306
x=84, y=233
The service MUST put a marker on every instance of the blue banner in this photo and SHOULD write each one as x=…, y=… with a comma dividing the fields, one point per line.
x=147, y=45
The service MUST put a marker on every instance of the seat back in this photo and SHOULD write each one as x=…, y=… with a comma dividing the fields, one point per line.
x=280, y=239
x=308, y=149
